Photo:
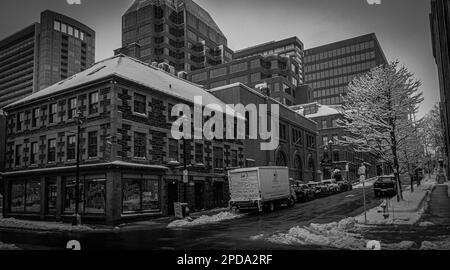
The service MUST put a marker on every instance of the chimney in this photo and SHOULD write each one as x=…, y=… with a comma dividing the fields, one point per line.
x=182, y=75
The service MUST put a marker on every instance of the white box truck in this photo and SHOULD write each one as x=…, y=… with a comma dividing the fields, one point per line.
x=262, y=188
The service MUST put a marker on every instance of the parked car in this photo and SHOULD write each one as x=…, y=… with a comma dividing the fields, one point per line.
x=329, y=186
x=310, y=192
x=344, y=185
x=300, y=193
x=315, y=186
x=385, y=186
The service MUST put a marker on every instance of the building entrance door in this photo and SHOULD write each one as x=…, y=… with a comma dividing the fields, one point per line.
x=199, y=189
x=172, y=196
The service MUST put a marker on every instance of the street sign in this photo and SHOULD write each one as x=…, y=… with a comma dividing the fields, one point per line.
x=185, y=176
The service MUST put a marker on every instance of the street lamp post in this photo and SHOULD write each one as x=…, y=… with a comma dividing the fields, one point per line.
x=76, y=219
x=330, y=143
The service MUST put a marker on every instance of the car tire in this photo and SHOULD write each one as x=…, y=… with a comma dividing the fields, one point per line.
x=271, y=207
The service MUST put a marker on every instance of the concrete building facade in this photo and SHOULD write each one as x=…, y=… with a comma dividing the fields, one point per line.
x=131, y=167
x=330, y=68
x=440, y=31
x=42, y=54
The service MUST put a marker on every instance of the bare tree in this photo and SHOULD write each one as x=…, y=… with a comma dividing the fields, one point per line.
x=377, y=113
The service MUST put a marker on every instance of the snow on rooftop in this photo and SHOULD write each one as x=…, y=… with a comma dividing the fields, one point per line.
x=132, y=70
x=322, y=110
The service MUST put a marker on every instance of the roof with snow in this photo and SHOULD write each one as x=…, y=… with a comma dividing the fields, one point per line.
x=190, y=6
x=322, y=110
x=132, y=70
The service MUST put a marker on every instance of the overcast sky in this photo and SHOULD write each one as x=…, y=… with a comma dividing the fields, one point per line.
x=402, y=26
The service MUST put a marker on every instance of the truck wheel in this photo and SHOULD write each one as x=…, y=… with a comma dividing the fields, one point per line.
x=291, y=202
x=234, y=209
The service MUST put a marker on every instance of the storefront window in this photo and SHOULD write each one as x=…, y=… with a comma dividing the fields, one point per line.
x=140, y=194
x=17, y=197
x=70, y=196
x=131, y=195
x=26, y=196
x=51, y=196
x=150, y=195
x=95, y=196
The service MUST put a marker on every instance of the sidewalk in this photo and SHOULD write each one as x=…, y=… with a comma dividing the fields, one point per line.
x=406, y=212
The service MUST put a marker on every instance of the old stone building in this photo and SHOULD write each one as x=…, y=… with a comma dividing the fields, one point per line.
x=130, y=165
x=297, y=147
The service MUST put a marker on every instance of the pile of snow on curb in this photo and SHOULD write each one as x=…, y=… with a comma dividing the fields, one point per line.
x=4, y=246
x=187, y=222
x=330, y=235
x=41, y=225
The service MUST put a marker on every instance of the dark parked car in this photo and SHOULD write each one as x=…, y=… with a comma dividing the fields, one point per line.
x=345, y=185
x=385, y=186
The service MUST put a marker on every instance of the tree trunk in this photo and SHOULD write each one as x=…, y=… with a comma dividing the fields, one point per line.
x=396, y=164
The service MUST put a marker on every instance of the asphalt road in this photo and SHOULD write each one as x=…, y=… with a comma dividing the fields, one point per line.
x=227, y=235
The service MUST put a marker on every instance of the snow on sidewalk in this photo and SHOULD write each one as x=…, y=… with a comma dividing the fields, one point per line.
x=406, y=212
x=12, y=223
x=4, y=246
x=204, y=219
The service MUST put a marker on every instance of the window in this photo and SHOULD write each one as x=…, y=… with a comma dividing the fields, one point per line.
x=198, y=153
x=71, y=144
x=324, y=140
x=20, y=119
x=25, y=196
x=139, y=104
x=93, y=103
x=140, y=145
x=72, y=108
x=77, y=33
x=64, y=28
x=199, y=77
x=57, y=25
x=140, y=195
x=241, y=79
x=92, y=144
x=296, y=137
x=35, y=119
x=53, y=108
x=283, y=134
x=324, y=124
x=310, y=141
x=173, y=150
x=51, y=151
x=234, y=158
x=255, y=63
x=34, y=153
x=218, y=158
x=335, y=123
x=238, y=67
x=335, y=138
x=70, y=30
x=218, y=72
x=18, y=156
x=70, y=195
x=95, y=196
x=255, y=77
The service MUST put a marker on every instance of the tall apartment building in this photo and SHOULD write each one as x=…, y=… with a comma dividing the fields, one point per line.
x=330, y=68
x=42, y=54
x=177, y=32
x=278, y=64
x=440, y=31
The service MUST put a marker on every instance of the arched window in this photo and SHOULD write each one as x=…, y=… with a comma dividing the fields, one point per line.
x=281, y=159
x=312, y=168
x=298, y=167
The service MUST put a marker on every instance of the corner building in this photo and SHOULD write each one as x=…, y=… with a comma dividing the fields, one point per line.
x=131, y=167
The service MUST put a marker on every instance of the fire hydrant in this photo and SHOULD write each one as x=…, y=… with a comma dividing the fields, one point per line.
x=384, y=205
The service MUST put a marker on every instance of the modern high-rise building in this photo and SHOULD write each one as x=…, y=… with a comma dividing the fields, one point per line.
x=177, y=32
x=278, y=64
x=42, y=54
x=330, y=68
x=440, y=31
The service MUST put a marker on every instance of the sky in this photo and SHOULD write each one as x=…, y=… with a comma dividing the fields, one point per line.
x=402, y=26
